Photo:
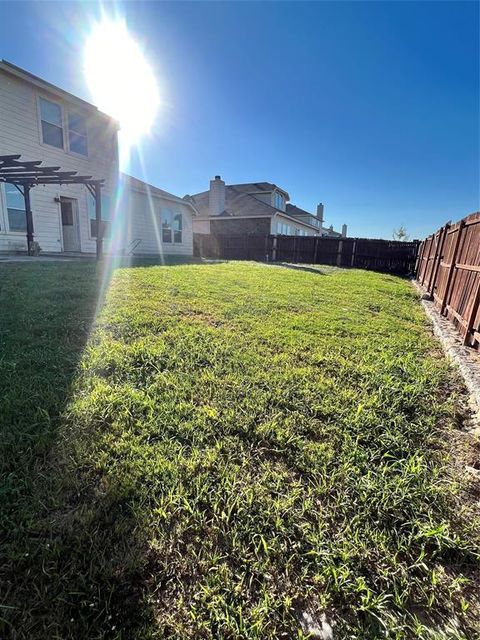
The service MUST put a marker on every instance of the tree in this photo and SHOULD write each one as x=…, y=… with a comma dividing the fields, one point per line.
x=401, y=234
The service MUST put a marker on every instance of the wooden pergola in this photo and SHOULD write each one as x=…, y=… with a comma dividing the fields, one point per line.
x=28, y=174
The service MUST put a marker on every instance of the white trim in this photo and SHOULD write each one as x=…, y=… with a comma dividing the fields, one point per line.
x=173, y=213
x=64, y=113
x=39, y=97
x=6, y=227
x=76, y=222
x=284, y=200
x=86, y=156
x=3, y=209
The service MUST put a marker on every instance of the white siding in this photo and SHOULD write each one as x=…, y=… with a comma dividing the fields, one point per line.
x=201, y=226
x=141, y=214
x=20, y=134
x=294, y=226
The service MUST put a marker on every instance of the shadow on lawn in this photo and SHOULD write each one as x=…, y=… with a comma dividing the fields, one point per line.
x=61, y=574
x=321, y=270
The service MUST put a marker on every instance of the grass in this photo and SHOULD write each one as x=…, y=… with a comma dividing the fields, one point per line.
x=223, y=448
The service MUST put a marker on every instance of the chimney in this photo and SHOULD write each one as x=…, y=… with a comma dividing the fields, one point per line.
x=216, y=197
x=344, y=230
x=320, y=209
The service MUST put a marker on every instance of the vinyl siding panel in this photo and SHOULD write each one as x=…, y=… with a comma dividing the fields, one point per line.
x=142, y=225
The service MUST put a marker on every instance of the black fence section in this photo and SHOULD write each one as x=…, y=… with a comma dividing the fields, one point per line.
x=380, y=255
x=233, y=247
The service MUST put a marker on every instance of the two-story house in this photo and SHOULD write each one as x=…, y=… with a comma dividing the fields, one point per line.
x=254, y=208
x=42, y=122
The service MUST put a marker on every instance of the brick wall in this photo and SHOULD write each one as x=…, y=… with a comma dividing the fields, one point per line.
x=230, y=226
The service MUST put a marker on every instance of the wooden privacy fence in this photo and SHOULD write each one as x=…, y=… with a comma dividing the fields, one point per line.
x=380, y=255
x=448, y=267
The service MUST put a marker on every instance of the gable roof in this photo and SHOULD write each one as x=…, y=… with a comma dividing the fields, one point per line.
x=257, y=187
x=149, y=189
x=26, y=76
x=293, y=210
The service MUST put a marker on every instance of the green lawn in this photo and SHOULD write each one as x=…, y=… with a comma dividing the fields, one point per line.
x=222, y=448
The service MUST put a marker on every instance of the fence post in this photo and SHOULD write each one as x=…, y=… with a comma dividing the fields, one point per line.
x=274, y=249
x=339, y=253
x=354, y=248
x=435, y=252
x=428, y=258
x=436, y=260
x=315, y=250
x=419, y=259
x=472, y=316
x=452, y=265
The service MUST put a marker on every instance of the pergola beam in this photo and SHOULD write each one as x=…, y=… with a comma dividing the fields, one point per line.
x=5, y=160
x=61, y=178
x=25, y=175
x=15, y=164
x=34, y=183
x=30, y=167
x=34, y=176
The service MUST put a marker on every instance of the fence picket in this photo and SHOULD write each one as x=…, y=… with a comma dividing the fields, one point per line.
x=452, y=266
x=454, y=276
x=381, y=255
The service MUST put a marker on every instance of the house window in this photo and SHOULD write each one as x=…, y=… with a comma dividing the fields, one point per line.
x=284, y=229
x=177, y=228
x=17, y=220
x=77, y=133
x=106, y=217
x=51, y=119
x=172, y=227
x=279, y=201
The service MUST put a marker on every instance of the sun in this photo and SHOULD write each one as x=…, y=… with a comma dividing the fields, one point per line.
x=120, y=79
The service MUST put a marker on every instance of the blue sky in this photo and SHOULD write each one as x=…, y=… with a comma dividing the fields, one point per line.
x=372, y=108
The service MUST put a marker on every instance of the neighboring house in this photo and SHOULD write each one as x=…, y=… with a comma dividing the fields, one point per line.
x=153, y=221
x=43, y=122
x=259, y=207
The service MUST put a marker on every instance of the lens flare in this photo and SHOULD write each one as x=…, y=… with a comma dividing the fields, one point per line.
x=120, y=79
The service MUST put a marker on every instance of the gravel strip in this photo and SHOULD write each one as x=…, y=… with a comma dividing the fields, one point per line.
x=465, y=358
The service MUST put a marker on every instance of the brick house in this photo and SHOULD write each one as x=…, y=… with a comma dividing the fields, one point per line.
x=254, y=208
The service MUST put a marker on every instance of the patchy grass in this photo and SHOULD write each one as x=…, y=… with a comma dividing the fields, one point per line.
x=231, y=445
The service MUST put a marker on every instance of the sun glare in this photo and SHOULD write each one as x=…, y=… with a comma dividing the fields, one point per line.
x=120, y=79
